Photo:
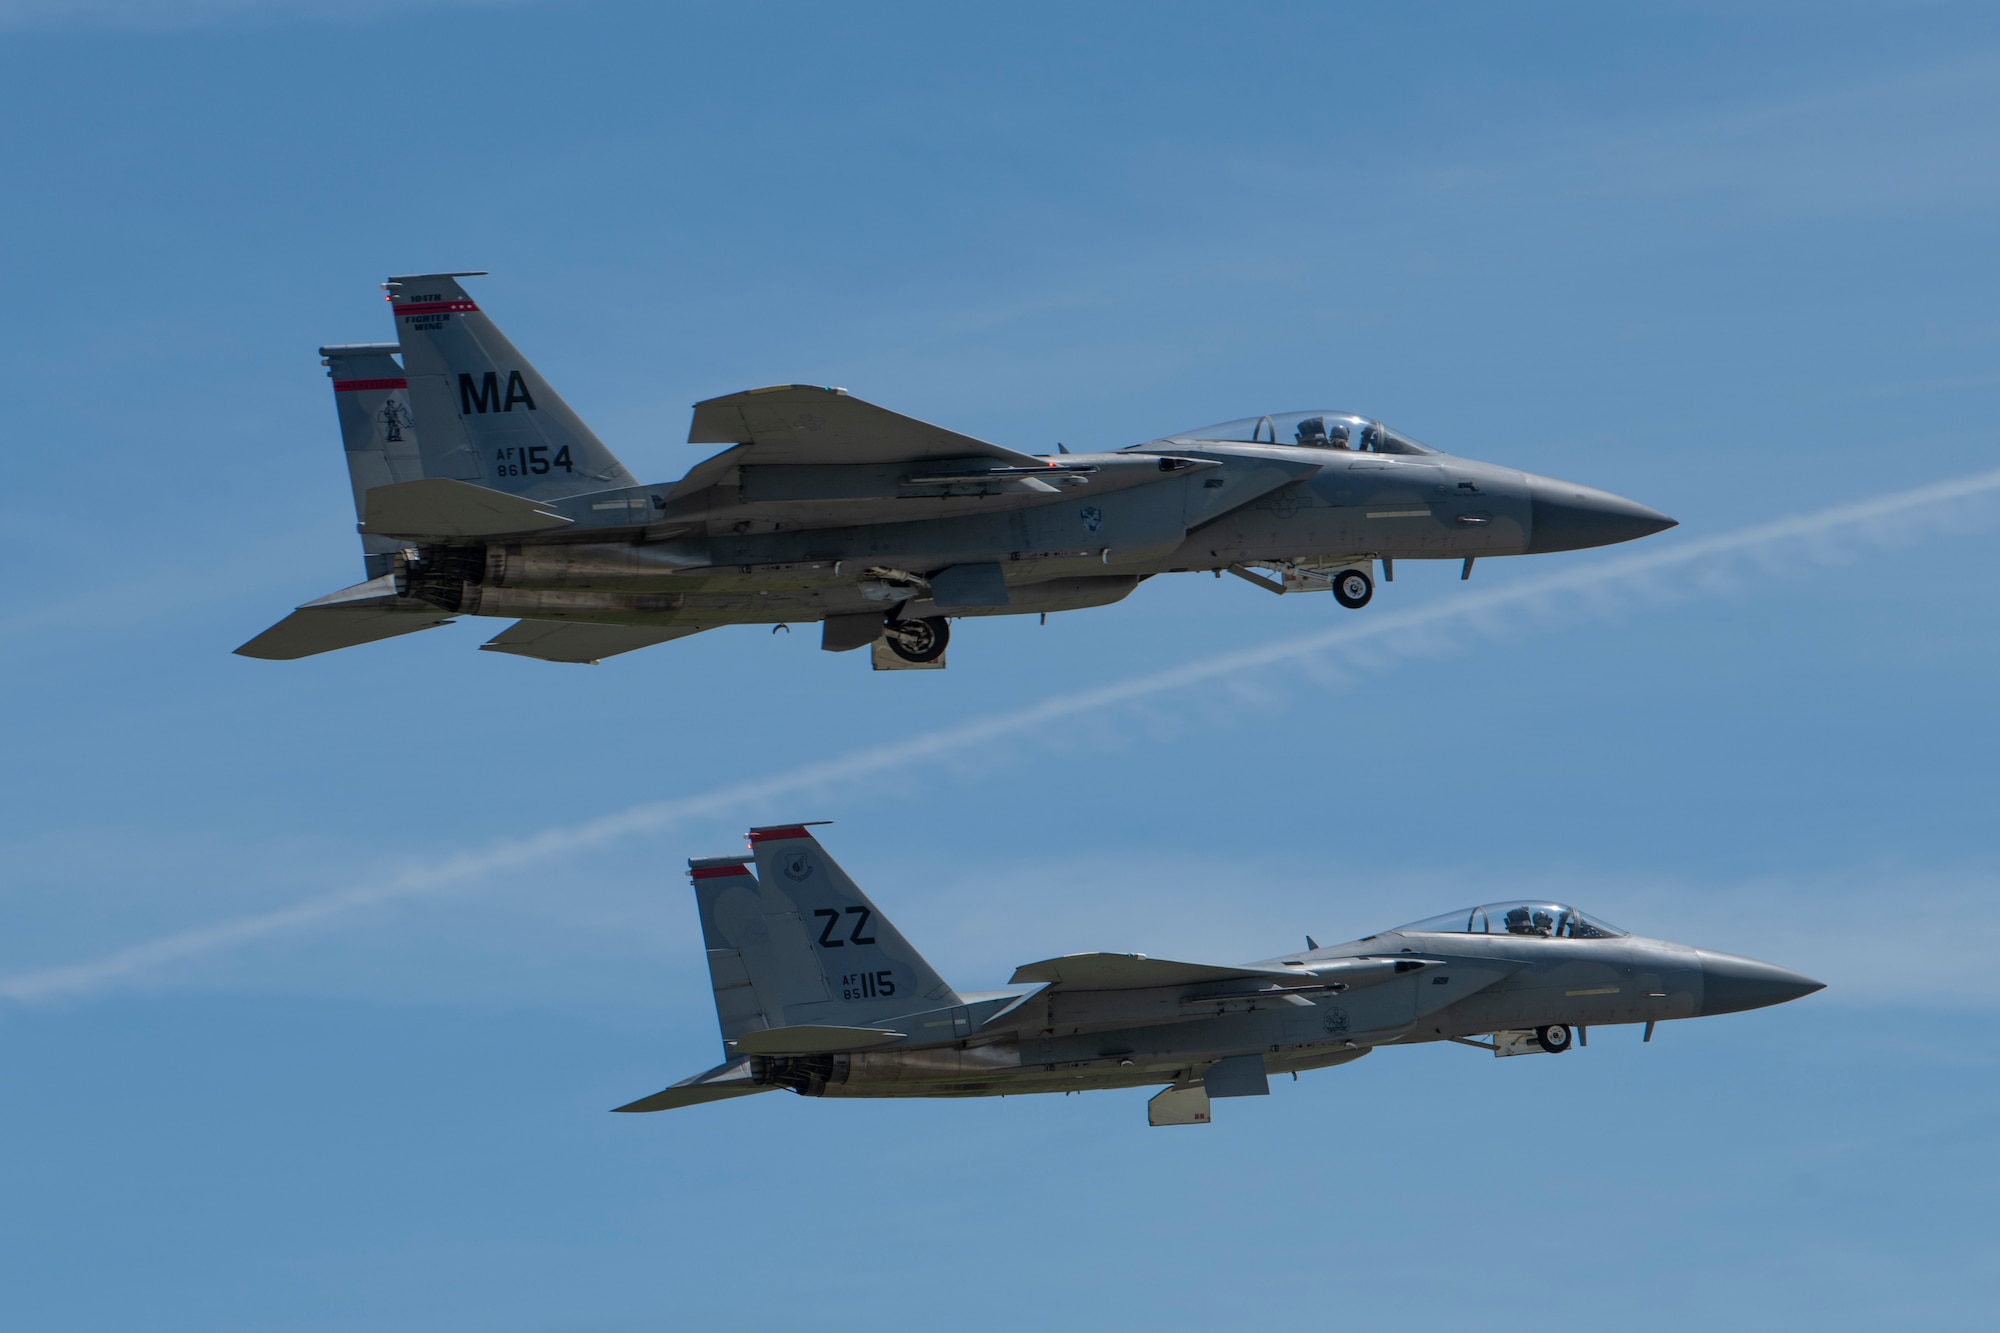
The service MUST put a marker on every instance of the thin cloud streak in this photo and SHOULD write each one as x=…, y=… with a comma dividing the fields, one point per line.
x=1375, y=636
x=170, y=15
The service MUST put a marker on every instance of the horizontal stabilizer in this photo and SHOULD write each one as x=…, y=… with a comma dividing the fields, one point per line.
x=812, y=1039
x=360, y=614
x=441, y=507
x=718, y=1084
x=1133, y=971
x=306, y=633
x=580, y=641
x=802, y=423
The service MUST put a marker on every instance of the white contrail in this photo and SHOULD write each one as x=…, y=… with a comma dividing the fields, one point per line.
x=1376, y=633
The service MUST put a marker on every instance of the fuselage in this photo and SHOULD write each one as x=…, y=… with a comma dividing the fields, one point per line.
x=478, y=491
x=748, y=546
x=817, y=992
x=1453, y=986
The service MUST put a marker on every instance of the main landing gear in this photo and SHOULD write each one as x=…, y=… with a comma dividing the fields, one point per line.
x=918, y=640
x=1352, y=588
x=1554, y=1038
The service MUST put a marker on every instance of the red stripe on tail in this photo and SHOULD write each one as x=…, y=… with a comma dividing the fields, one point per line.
x=436, y=308
x=362, y=386
x=778, y=834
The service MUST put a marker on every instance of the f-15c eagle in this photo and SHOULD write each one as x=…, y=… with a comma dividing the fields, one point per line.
x=480, y=493
x=816, y=991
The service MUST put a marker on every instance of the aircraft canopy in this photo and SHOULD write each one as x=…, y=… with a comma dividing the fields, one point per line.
x=1546, y=920
x=1316, y=429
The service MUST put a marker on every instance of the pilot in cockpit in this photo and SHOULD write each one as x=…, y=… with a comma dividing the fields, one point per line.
x=1527, y=921
x=1319, y=433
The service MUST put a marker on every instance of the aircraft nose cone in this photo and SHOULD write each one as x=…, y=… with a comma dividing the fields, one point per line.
x=1730, y=984
x=1568, y=517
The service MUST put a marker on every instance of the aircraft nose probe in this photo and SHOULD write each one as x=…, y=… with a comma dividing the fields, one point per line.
x=1564, y=516
x=1730, y=984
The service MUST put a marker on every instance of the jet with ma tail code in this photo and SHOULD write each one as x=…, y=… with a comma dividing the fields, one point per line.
x=818, y=993
x=479, y=492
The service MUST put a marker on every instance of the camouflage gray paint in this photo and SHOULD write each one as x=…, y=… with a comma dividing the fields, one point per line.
x=818, y=993
x=479, y=492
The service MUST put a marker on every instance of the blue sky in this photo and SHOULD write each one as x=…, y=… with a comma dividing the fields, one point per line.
x=301, y=1027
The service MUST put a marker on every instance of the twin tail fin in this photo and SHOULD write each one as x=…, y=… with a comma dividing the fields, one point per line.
x=488, y=416
x=798, y=944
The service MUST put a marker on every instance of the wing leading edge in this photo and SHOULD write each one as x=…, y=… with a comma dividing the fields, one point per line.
x=801, y=423
x=1134, y=971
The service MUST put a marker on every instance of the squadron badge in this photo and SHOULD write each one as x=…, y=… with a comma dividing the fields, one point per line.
x=395, y=419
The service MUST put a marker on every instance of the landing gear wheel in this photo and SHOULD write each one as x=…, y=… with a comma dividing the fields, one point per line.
x=1352, y=589
x=1554, y=1038
x=919, y=640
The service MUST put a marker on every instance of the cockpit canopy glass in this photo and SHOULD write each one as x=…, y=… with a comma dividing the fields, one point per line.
x=1545, y=920
x=1312, y=430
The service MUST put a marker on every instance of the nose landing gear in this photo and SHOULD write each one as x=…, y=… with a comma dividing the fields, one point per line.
x=1352, y=588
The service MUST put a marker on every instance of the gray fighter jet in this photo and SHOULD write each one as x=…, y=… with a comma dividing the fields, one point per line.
x=480, y=493
x=817, y=992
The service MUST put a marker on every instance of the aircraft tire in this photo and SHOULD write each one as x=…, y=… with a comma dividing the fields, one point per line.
x=1555, y=1038
x=919, y=640
x=1352, y=588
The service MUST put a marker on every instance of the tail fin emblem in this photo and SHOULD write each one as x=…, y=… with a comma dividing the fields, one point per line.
x=797, y=866
x=395, y=419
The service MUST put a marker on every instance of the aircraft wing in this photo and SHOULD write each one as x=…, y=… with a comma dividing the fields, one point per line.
x=361, y=614
x=579, y=640
x=1134, y=971
x=717, y=1084
x=804, y=424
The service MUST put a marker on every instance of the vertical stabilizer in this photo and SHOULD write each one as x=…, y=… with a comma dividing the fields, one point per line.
x=798, y=943
x=744, y=950
x=488, y=415
x=377, y=429
x=870, y=969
